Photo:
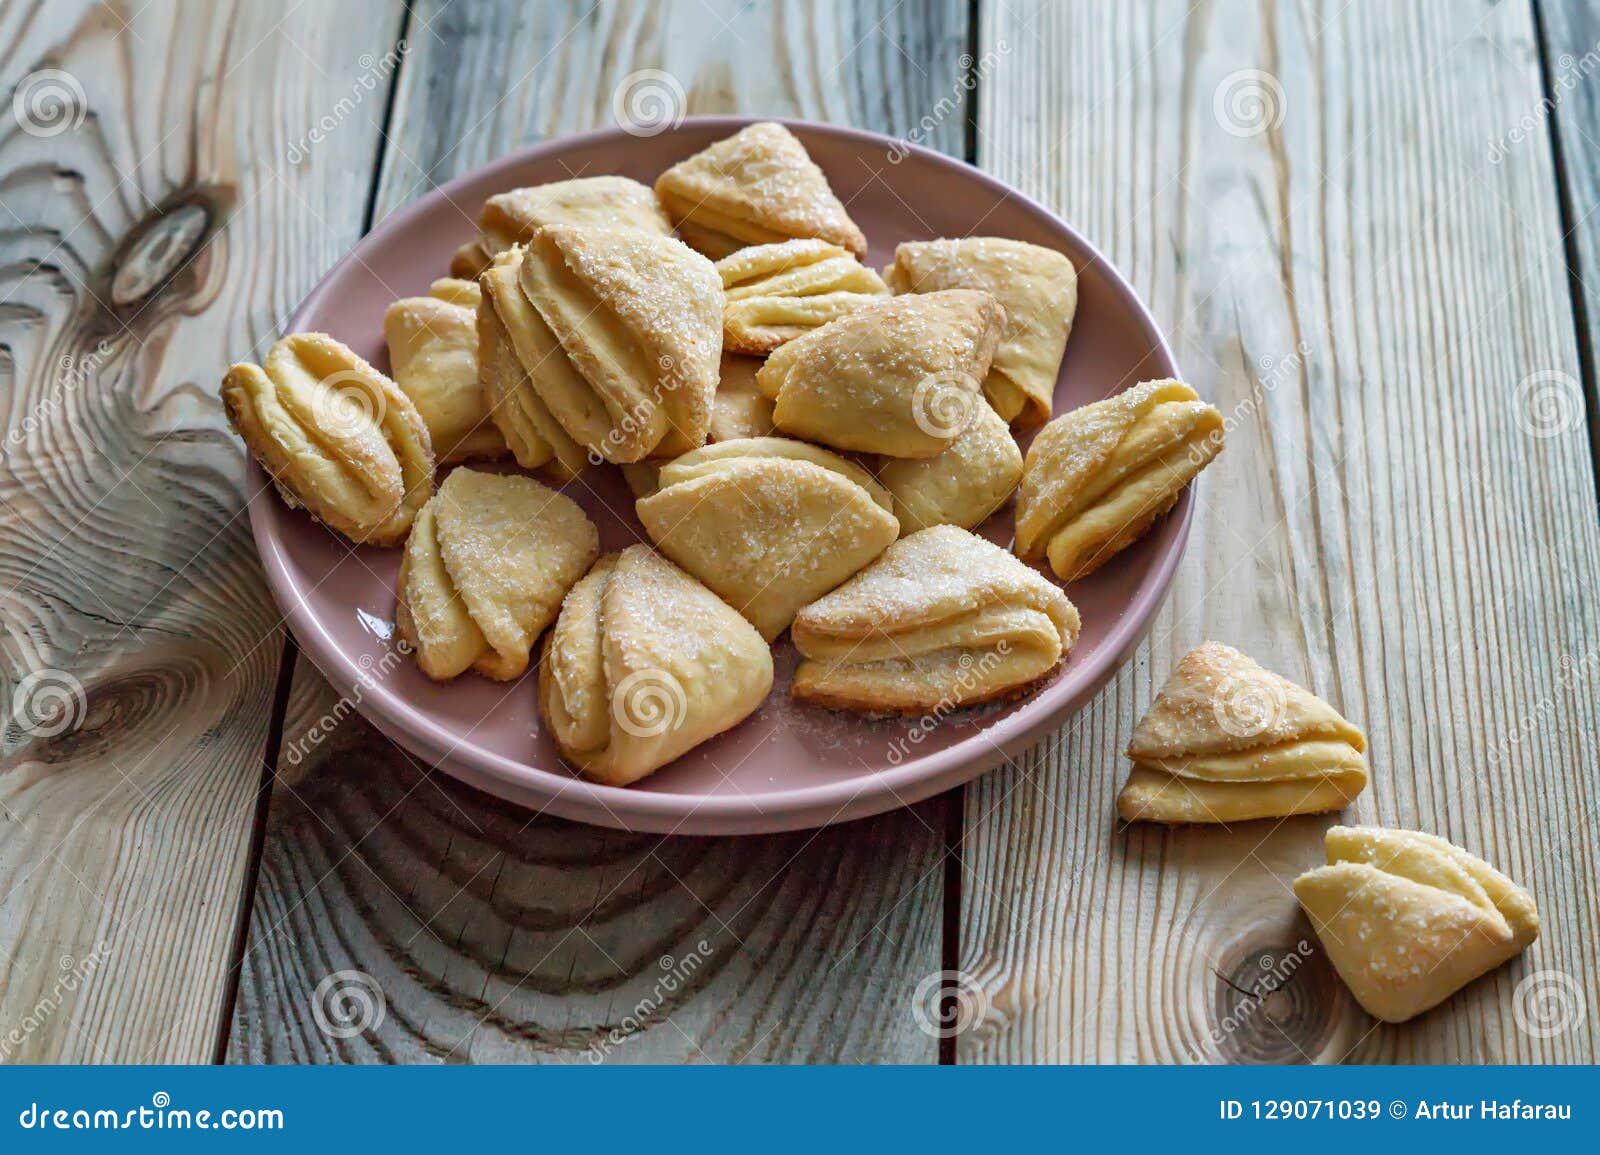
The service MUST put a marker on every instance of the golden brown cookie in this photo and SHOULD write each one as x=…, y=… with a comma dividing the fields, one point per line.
x=511, y=218
x=961, y=486
x=433, y=350
x=1408, y=919
x=775, y=293
x=768, y=523
x=1226, y=741
x=941, y=620
x=337, y=437
x=1096, y=478
x=1037, y=287
x=757, y=187
x=486, y=566
x=644, y=664
x=900, y=377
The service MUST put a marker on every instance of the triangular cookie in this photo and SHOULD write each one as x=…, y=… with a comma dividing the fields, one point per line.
x=757, y=187
x=900, y=377
x=1037, y=287
x=644, y=664
x=1407, y=919
x=941, y=620
x=768, y=523
x=1097, y=478
x=1227, y=740
x=484, y=572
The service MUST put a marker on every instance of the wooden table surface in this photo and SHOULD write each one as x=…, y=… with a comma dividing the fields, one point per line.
x=1370, y=230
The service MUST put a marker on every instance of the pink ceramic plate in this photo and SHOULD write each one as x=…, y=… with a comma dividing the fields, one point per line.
x=786, y=767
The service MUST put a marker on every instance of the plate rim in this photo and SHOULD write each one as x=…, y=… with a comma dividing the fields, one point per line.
x=562, y=792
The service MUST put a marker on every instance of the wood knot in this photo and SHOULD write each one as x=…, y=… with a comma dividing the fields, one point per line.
x=159, y=253
x=56, y=719
x=1276, y=1000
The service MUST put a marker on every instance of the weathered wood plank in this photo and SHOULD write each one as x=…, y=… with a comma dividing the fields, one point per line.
x=496, y=937
x=1403, y=519
x=1570, y=41
x=153, y=231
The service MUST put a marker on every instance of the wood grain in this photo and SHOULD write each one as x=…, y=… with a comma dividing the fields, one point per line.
x=495, y=936
x=1570, y=48
x=151, y=234
x=1401, y=520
